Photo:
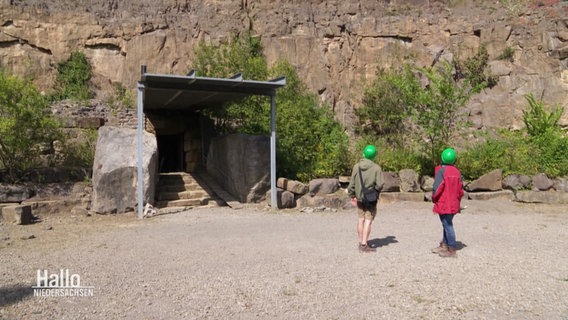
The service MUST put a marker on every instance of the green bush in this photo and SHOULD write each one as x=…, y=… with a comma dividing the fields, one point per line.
x=506, y=150
x=27, y=129
x=550, y=151
x=540, y=148
x=515, y=152
x=73, y=78
x=393, y=158
x=474, y=70
x=383, y=111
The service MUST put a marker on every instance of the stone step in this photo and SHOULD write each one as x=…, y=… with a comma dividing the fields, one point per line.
x=176, y=178
x=179, y=187
x=190, y=203
x=187, y=194
x=179, y=203
x=184, y=190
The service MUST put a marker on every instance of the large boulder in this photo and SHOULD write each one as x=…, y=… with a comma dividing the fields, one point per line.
x=516, y=182
x=15, y=193
x=491, y=181
x=294, y=186
x=541, y=182
x=427, y=183
x=409, y=180
x=337, y=200
x=115, y=170
x=391, y=182
x=323, y=186
x=552, y=197
x=240, y=164
x=284, y=199
x=16, y=214
x=561, y=184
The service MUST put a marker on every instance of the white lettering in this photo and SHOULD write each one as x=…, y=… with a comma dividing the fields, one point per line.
x=62, y=284
x=53, y=281
x=75, y=281
x=74, y=292
x=41, y=279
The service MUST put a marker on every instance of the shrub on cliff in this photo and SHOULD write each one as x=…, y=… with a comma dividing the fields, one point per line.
x=73, y=78
x=539, y=148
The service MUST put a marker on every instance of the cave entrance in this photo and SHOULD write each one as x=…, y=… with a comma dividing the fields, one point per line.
x=170, y=152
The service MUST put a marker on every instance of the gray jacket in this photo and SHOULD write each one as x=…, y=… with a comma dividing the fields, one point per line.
x=372, y=177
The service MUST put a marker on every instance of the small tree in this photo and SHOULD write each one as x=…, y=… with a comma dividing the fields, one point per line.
x=27, y=128
x=416, y=109
x=438, y=108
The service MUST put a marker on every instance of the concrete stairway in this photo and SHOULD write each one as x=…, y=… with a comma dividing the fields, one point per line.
x=185, y=190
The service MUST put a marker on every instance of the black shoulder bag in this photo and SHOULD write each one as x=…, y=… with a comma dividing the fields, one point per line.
x=369, y=195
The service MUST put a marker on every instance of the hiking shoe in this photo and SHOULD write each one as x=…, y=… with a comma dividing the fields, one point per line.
x=440, y=248
x=366, y=248
x=449, y=253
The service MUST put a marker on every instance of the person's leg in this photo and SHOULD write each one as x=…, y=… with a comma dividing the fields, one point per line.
x=449, y=235
x=360, y=228
x=369, y=217
x=360, y=223
x=443, y=243
x=444, y=236
x=366, y=230
x=364, y=246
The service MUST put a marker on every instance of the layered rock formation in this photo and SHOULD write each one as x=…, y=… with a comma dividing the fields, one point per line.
x=335, y=45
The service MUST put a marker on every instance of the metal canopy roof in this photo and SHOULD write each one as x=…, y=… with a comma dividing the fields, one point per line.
x=170, y=92
x=161, y=93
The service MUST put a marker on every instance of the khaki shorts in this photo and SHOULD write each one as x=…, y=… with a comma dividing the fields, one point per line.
x=368, y=214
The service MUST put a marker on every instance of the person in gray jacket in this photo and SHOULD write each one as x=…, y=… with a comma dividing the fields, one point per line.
x=366, y=173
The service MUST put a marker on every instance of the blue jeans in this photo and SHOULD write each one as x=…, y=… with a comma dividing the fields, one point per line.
x=449, y=233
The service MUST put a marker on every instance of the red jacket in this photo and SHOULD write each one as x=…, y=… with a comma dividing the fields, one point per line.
x=448, y=190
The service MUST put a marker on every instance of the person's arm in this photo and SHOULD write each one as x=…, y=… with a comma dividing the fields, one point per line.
x=436, y=196
x=379, y=180
x=351, y=187
x=439, y=185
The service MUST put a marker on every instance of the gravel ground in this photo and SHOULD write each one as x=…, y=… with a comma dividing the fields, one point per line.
x=220, y=263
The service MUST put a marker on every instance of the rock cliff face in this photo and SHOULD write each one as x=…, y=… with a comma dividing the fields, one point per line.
x=336, y=45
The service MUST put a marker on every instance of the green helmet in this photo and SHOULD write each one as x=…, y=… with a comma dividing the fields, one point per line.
x=370, y=152
x=448, y=156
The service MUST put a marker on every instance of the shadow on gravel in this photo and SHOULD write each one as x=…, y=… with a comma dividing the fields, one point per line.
x=380, y=242
x=11, y=295
x=460, y=245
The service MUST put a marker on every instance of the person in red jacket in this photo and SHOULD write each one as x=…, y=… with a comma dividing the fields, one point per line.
x=446, y=196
